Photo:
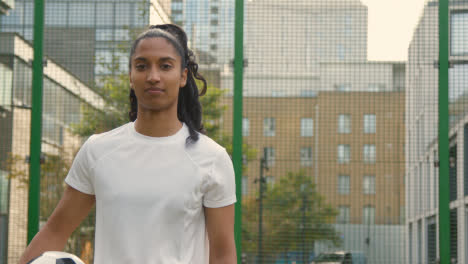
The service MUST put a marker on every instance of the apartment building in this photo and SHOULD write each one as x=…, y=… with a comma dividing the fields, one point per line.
x=351, y=142
x=64, y=97
x=85, y=36
x=421, y=150
x=285, y=41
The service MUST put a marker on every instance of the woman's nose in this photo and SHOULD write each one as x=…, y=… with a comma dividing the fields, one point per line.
x=153, y=75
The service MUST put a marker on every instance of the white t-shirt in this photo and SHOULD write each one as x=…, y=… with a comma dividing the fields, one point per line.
x=150, y=193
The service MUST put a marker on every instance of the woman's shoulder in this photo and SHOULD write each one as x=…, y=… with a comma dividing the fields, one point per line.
x=107, y=140
x=205, y=150
x=209, y=145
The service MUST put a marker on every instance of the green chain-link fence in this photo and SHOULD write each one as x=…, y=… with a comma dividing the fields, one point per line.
x=339, y=123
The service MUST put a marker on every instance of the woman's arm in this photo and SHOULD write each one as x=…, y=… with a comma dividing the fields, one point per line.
x=67, y=216
x=220, y=228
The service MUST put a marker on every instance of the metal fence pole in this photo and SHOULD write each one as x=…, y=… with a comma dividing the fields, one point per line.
x=237, y=119
x=444, y=189
x=36, y=122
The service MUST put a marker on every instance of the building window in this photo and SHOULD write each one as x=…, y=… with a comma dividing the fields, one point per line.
x=214, y=10
x=410, y=243
x=269, y=127
x=341, y=51
x=269, y=154
x=453, y=186
x=214, y=22
x=368, y=184
x=4, y=194
x=306, y=156
x=343, y=214
x=465, y=170
x=123, y=35
x=344, y=124
x=213, y=47
x=369, y=124
x=245, y=127
x=245, y=185
x=459, y=33
x=458, y=78
x=343, y=87
x=369, y=153
x=343, y=184
x=103, y=60
x=213, y=35
x=307, y=127
x=104, y=34
x=6, y=81
x=453, y=235
x=368, y=215
x=344, y=154
x=431, y=240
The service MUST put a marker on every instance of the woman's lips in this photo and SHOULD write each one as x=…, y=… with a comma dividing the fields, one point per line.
x=154, y=91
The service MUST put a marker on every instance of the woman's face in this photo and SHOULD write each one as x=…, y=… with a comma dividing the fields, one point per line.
x=156, y=75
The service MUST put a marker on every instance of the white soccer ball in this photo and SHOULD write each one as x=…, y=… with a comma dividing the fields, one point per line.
x=56, y=257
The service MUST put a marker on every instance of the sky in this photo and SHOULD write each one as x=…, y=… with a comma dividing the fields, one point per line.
x=390, y=27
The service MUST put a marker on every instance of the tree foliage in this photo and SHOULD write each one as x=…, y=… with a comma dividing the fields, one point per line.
x=295, y=216
x=54, y=169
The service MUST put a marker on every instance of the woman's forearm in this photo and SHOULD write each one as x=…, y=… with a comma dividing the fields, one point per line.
x=45, y=240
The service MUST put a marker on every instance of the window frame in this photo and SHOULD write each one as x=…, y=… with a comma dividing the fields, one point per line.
x=269, y=127
x=306, y=161
x=307, y=127
x=345, y=126
x=368, y=184
x=369, y=156
x=346, y=151
x=344, y=190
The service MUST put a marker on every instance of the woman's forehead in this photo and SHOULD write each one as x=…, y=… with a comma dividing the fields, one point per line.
x=155, y=46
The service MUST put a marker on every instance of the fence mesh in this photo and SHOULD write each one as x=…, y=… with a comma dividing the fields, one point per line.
x=340, y=154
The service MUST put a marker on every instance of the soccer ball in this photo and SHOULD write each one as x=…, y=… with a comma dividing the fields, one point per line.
x=56, y=257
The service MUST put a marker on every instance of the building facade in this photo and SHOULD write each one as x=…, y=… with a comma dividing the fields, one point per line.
x=286, y=41
x=350, y=142
x=86, y=36
x=64, y=97
x=209, y=25
x=422, y=176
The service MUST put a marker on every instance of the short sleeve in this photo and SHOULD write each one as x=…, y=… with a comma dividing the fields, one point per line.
x=80, y=177
x=222, y=190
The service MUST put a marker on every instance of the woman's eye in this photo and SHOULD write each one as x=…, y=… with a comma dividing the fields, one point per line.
x=166, y=66
x=140, y=66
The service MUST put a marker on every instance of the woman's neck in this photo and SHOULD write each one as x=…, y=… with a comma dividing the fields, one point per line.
x=157, y=124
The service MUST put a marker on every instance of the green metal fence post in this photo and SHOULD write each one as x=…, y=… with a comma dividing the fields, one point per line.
x=237, y=118
x=444, y=211
x=36, y=122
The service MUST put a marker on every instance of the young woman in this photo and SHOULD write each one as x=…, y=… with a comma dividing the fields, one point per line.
x=164, y=192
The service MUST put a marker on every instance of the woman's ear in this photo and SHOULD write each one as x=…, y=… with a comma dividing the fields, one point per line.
x=183, y=78
x=130, y=80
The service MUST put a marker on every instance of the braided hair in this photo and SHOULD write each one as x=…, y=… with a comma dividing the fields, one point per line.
x=189, y=109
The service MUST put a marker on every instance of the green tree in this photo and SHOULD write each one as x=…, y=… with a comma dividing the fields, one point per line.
x=54, y=169
x=295, y=216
